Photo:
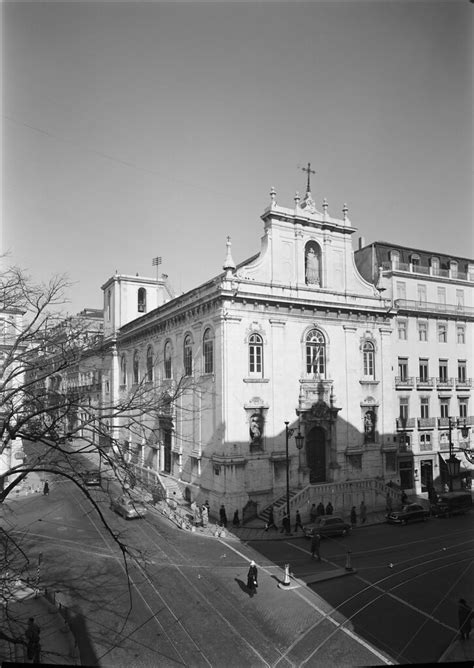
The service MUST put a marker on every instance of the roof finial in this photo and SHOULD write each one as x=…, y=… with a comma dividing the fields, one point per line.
x=273, y=196
x=229, y=264
x=325, y=207
x=345, y=211
x=309, y=171
x=297, y=199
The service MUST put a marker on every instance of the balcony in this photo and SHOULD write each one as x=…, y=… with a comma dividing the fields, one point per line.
x=426, y=423
x=424, y=383
x=433, y=307
x=427, y=271
x=444, y=383
x=406, y=423
x=404, y=382
x=464, y=384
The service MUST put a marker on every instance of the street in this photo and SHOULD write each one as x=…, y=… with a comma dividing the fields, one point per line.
x=403, y=598
x=185, y=601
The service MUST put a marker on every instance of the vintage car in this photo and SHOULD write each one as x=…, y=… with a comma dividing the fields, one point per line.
x=91, y=478
x=327, y=525
x=412, y=512
x=451, y=503
x=128, y=508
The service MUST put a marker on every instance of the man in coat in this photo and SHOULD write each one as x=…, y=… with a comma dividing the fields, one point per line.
x=252, y=582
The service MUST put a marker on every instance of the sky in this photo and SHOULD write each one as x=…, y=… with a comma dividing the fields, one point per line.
x=140, y=129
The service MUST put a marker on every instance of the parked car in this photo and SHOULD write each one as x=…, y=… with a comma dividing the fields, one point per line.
x=327, y=525
x=91, y=478
x=451, y=503
x=412, y=512
x=128, y=508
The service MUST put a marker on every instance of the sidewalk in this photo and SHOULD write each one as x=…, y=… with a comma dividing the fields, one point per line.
x=460, y=652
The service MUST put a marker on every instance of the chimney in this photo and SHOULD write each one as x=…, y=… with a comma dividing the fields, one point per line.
x=361, y=242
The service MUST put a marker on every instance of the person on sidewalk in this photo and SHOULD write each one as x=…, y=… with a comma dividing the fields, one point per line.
x=223, y=516
x=33, y=646
x=204, y=516
x=285, y=525
x=315, y=542
x=252, y=581
x=313, y=513
x=388, y=503
x=404, y=498
x=236, y=520
x=363, y=512
x=46, y=489
x=464, y=617
x=271, y=521
x=329, y=508
x=320, y=509
x=353, y=516
x=298, y=523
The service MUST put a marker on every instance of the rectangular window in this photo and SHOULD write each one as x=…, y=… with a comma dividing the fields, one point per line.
x=421, y=289
x=442, y=296
x=425, y=442
x=425, y=407
x=462, y=371
x=402, y=330
x=461, y=334
x=442, y=333
x=423, y=331
x=423, y=370
x=404, y=409
x=403, y=368
x=444, y=408
x=463, y=407
x=443, y=370
x=401, y=290
x=460, y=299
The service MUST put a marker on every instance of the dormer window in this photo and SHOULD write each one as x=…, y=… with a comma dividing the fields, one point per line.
x=453, y=269
x=435, y=266
x=415, y=261
x=395, y=259
x=141, y=300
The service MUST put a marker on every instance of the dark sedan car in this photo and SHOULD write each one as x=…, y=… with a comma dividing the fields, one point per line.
x=327, y=525
x=128, y=508
x=413, y=512
x=91, y=478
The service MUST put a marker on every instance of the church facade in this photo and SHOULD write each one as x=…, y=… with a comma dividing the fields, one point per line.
x=293, y=337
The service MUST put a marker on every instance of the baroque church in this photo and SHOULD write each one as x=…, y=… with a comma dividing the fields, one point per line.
x=294, y=334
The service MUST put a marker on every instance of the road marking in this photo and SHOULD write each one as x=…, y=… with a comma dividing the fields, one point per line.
x=324, y=615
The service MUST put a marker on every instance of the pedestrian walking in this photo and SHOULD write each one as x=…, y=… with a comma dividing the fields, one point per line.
x=236, y=520
x=252, y=581
x=285, y=525
x=363, y=512
x=465, y=617
x=46, y=488
x=223, y=516
x=271, y=521
x=353, y=516
x=313, y=513
x=204, y=516
x=33, y=646
x=320, y=508
x=388, y=503
x=298, y=523
x=329, y=509
x=315, y=542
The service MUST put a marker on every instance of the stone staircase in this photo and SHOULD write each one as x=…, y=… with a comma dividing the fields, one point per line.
x=279, y=506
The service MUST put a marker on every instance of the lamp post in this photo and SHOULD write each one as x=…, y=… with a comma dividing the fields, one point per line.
x=453, y=463
x=299, y=438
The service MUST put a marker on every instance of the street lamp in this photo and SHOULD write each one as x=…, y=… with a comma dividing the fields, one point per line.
x=299, y=438
x=453, y=463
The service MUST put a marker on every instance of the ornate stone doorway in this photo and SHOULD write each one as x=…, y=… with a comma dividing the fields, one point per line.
x=316, y=454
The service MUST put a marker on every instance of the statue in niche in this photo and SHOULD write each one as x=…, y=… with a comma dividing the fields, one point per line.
x=256, y=429
x=369, y=426
x=312, y=267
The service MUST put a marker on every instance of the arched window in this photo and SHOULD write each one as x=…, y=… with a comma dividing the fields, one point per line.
x=135, y=368
x=188, y=356
x=255, y=355
x=368, y=355
x=453, y=266
x=141, y=300
x=315, y=353
x=149, y=364
x=208, y=350
x=435, y=266
x=168, y=360
x=123, y=370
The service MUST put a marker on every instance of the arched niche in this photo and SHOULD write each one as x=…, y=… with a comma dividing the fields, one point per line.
x=312, y=264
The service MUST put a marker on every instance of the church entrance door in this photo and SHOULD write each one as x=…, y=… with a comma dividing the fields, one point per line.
x=316, y=454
